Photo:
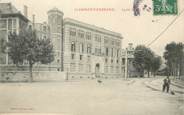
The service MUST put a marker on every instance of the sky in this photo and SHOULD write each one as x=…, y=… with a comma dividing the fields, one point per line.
x=139, y=30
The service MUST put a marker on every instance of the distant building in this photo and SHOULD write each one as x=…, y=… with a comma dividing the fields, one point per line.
x=127, y=61
x=42, y=30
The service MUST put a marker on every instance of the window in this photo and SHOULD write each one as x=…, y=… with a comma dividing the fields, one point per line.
x=112, y=42
x=81, y=48
x=117, y=69
x=112, y=69
x=122, y=70
x=14, y=24
x=106, y=69
x=72, y=32
x=73, y=56
x=88, y=35
x=89, y=48
x=2, y=24
x=44, y=28
x=112, y=52
x=89, y=58
x=3, y=37
x=72, y=67
x=106, y=60
x=97, y=51
x=57, y=43
x=111, y=60
x=88, y=69
x=123, y=61
x=106, y=51
x=58, y=54
x=117, y=61
x=81, y=57
x=3, y=59
x=118, y=43
x=81, y=34
x=9, y=24
x=105, y=40
x=58, y=60
x=97, y=38
x=73, y=46
x=80, y=67
x=118, y=53
x=44, y=36
x=10, y=61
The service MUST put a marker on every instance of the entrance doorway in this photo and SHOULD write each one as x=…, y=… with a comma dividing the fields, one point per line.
x=97, y=70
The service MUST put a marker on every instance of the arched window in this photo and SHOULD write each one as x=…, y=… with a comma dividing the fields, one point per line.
x=81, y=48
x=118, y=53
x=106, y=51
x=89, y=48
x=73, y=46
x=112, y=53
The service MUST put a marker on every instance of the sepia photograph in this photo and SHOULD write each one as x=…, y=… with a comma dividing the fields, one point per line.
x=91, y=57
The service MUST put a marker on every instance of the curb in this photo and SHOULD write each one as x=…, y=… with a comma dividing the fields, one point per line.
x=158, y=89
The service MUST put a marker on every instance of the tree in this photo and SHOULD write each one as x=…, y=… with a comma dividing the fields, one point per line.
x=156, y=63
x=27, y=47
x=143, y=59
x=138, y=61
x=174, y=56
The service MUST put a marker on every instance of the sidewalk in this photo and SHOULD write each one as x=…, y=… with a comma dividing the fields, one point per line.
x=157, y=86
x=178, y=83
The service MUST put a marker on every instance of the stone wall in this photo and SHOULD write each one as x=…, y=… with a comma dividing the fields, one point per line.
x=37, y=76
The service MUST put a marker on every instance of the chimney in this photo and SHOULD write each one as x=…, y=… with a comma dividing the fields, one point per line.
x=25, y=11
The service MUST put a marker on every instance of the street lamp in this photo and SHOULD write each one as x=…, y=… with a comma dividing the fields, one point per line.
x=126, y=64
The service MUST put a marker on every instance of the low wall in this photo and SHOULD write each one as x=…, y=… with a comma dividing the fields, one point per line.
x=92, y=76
x=37, y=76
x=49, y=76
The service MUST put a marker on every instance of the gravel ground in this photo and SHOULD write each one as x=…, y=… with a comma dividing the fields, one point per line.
x=88, y=97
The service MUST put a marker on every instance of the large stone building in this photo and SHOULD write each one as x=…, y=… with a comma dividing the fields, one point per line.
x=81, y=50
x=90, y=50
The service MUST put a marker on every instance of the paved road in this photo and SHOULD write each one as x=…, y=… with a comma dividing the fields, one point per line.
x=87, y=97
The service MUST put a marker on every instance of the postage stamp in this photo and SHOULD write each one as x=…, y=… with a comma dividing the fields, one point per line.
x=165, y=7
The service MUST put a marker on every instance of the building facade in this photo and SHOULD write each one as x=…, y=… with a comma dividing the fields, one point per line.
x=90, y=51
x=42, y=30
x=11, y=20
x=55, y=22
x=82, y=50
x=127, y=62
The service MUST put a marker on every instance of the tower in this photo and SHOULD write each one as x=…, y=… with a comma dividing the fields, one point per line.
x=55, y=22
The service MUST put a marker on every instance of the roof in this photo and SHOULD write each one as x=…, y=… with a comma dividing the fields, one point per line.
x=7, y=9
x=55, y=10
x=92, y=27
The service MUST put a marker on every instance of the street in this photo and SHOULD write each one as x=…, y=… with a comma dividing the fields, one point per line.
x=134, y=96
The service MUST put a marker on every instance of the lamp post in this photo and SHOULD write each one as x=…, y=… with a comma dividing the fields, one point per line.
x=126, y=64
x=67, y=74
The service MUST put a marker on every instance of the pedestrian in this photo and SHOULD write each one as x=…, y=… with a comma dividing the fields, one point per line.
x=166, y=84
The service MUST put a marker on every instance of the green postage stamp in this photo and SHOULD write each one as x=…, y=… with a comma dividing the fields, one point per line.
x=165, y=7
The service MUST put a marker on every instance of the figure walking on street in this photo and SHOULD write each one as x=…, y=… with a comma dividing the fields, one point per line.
x=166, y=84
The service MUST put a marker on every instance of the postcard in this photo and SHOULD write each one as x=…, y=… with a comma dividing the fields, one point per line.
x=91, y=57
